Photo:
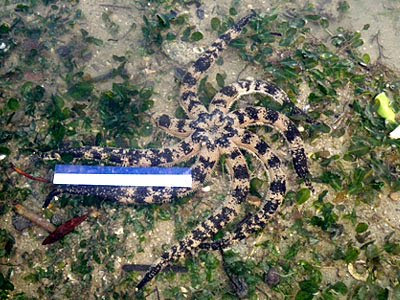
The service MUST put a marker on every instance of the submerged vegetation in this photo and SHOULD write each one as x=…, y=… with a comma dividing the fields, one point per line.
x=323, y=246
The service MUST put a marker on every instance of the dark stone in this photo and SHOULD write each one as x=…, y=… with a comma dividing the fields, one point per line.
x=244, y=84
x=166, y=155
x=20, y=223
x=155, y=161
x=223, y=142
x=164, y=121
x=65, y=51
x=200, y=13
x=300, y=163
x=243, y=22
x=115, y=158
x=272, y=277
x=258, y=83
x=198, y=234
x=57, y=220
x=96, y=155
x=180, y=73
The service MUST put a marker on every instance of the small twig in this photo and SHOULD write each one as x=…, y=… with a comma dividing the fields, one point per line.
x=56, y=233
x=23, y=173
x=145, y=268
x=154, y=291
x=9, y=265
x=238, y=284
x=241, y=71
x=103, y=77
x=115, y=6
x=131, y=28
x=342, y=118
x=380, y=47
x=34, y=218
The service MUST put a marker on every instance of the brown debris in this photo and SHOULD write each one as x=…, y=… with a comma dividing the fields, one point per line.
x=34, y=218
x=64, y=229
x=56, y=233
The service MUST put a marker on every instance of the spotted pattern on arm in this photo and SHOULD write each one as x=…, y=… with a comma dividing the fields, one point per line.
x=208, y=134
x=252, y=116
x=239, y=173
x=189, y=100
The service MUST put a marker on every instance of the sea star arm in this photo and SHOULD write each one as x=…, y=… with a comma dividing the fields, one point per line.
x=188, y=99
x=237, y=169
x=176, y=127
x=132, y=157
x=228, y=95
x=125, y=195
x=231, y=93
x=251, y=116
x=275, y=195
x=201, y=172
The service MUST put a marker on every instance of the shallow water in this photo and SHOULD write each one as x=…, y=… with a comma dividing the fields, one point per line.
x=88, y=262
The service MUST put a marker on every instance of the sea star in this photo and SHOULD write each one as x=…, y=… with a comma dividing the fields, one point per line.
x=207, y=134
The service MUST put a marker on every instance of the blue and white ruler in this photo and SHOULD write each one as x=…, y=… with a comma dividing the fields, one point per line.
x=122, y=176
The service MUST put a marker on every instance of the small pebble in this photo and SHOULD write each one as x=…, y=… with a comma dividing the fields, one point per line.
x=20, y=223
x=336, y=231
x=179, y=73
x=395, y=196
x=272, y=277
x=173, y=13
x=200, y=13
x=206, y=189
x=64, y=51
x=57, y=220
